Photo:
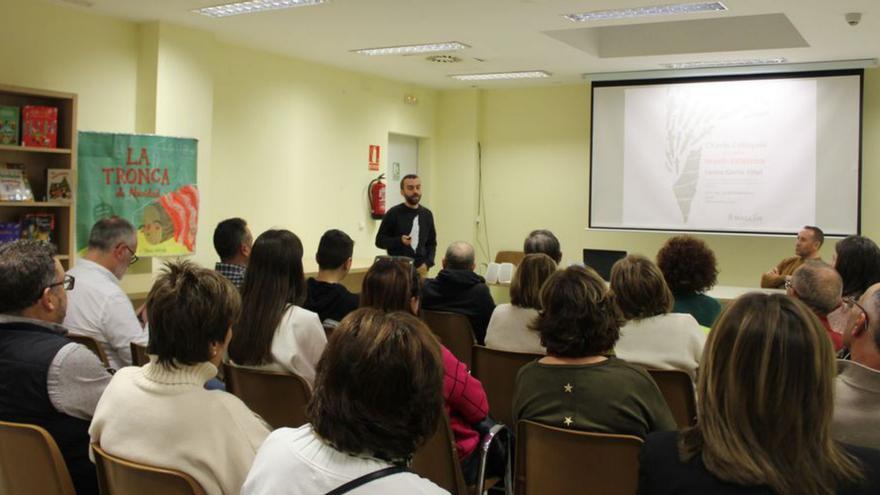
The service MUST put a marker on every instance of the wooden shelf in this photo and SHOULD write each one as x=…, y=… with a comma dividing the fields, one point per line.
x=62, y=257
x=36, y=204
x=34, y=149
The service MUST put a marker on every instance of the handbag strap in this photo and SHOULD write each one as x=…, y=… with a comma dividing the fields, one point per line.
x=351, y=485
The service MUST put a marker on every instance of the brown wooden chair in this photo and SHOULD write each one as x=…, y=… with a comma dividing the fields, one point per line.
x=497, y=371
x=454, y=331
x=139, y=355
x=514, y=257
x=562, y=462
x=678, y=390
x=30, y=462
x=92, y=345
x=118, y=476
x=279, y=398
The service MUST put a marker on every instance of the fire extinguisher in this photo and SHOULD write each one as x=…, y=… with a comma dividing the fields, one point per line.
x=376, y=194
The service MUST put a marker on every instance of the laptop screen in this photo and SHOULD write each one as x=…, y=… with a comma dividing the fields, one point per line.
x=602, y=260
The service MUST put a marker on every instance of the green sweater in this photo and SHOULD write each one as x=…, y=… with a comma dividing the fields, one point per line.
x=608, y=397
x=703, y=308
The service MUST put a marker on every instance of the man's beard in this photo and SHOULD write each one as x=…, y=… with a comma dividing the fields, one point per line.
x=413, y=200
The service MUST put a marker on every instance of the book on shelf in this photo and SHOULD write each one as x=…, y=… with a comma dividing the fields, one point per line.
x=39, y=126
x=9, y=231
x=9, y=125
x=59, y=185
x=14, y=185
x=38, y=226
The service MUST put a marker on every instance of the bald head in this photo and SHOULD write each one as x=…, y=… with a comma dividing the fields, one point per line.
x=818, y=285
x=459, y=256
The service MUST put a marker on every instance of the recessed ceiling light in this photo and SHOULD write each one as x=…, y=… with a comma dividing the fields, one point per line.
x=446, y=46
x=253, y=6
x=653, y=10
x=724, y=63
x=529, y=74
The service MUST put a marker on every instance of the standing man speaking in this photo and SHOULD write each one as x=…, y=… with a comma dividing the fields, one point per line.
x=408, y=228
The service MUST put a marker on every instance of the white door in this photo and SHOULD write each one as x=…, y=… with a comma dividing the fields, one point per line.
x=403, y=159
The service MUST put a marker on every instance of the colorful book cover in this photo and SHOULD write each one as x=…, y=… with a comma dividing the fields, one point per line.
x=59, y=185
x=9, y=231
x=39, y=126
x=38, y=226
x=14, y=186
x=9, y=125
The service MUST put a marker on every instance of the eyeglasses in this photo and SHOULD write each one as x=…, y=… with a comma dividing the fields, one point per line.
x=850, y=302
x=67, y=282
x=134, y=257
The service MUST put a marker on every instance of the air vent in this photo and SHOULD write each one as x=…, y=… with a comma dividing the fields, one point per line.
x=443, y=59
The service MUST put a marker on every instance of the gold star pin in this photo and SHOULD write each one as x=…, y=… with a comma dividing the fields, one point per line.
x=568, y=388
x=568, y=421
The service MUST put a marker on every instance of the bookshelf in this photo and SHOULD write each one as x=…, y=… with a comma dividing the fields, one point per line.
x=35, y=161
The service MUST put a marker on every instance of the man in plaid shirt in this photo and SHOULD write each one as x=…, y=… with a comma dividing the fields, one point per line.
x=233, y=242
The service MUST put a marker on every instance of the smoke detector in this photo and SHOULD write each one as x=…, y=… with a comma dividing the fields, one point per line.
x=443, y=59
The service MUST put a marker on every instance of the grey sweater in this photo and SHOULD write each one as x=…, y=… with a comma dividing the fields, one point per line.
x=856, y=403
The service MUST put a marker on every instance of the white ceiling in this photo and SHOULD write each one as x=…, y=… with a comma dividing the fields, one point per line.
x=509, y=35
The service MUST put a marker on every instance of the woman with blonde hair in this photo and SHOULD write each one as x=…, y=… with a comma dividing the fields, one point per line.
x=764, y=415
x=509, y=326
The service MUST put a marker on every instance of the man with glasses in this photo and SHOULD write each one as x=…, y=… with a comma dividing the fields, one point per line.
x=819, y=286
x=45, y=378
x=99, y=307
x=857, y=389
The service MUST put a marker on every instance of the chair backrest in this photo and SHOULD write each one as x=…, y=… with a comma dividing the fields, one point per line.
x=562, y=462
x=30, y=462
x=678, y=390
x=514, y=257
x=118, y=476
x=455, y=332
x=139, y=355
x=437, y=460
x=497, y=371
x=92, y=345
x=279, y=398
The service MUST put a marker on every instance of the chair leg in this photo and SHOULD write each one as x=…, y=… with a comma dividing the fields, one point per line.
x=485, y=444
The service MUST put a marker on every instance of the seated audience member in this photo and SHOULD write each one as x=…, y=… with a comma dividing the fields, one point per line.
x=857, y=259
x=45, y=379
x=273, y=332
x=392, y=286
x=233, y=242
x=764, y=414
x=99, y=308
x=653, y=337
x=577, y=385
x=377, y=400
x=160, y=414
x=819, y=286
x=325, y=293
x=689, y=268
x=458, y=289
x=809, y=241
x=509, y=327
x=857, y=388
x=543, y=241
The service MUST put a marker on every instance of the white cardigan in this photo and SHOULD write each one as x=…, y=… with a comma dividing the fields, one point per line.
x=164, y=417
x=509, y=330
x=673, y=341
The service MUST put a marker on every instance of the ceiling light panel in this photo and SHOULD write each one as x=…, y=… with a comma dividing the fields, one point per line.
x=724, y=63
x=530, y=74
x=446, y=46
x=650, y=11
x=253, y=6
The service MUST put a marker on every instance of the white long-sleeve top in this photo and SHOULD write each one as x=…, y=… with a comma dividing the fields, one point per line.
x=673, y=341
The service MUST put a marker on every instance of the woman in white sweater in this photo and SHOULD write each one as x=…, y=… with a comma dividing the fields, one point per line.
x=652, y=336
x=274, y=332
x=509, y=328
x=160, y=414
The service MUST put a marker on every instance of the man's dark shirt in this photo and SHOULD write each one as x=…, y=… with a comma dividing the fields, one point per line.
x=330, y=301
x=463, y=292
x=398, y=221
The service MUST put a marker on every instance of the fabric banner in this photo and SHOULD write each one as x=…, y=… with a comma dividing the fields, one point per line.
x=148, y=180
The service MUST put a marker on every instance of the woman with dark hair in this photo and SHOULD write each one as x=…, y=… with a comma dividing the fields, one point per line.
x=764, y=414
x=690, y=269
x=390, y=285
x=577, y=385
x=509, y=326
x=377, y=399
x=653, y=336
x=274, y=332
x=857, y=260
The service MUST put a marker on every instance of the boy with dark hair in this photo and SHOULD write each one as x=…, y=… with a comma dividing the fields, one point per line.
x=233, y=241
x=325, y=294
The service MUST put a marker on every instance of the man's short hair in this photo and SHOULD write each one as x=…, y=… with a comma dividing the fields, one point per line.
x=818, y=285
x=108, y=232
x=407, y=177
x=26, y=268
x=460, y=256
x=334, y=249
x=189, y=308
x=379, y=385
x=229, y=236
x=543, y=241
x=818, y=235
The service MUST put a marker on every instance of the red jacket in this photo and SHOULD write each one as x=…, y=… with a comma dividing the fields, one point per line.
x=835, y=337
x=466, y=403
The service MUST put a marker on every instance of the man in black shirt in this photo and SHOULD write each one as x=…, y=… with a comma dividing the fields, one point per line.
x=408, y=228
x=325, y=294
